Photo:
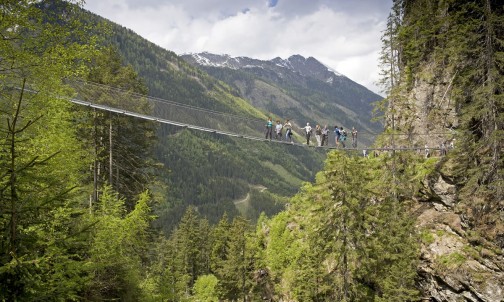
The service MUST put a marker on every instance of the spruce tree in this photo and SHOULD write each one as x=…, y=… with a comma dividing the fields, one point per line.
x=41, y=158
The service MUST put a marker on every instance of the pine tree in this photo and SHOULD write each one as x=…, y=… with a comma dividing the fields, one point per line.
x=40, y=155
x=350, y=236
x=190, y=243
x=118, y=245
x=122, y=145
x=237, y=267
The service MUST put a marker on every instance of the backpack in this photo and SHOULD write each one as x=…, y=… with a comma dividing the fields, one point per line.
x=343, y=135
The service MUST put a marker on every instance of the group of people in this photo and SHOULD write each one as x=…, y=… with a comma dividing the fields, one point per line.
x=278, y=130
x=321, y=134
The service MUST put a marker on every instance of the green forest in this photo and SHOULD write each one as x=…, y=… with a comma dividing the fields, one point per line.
x=96, y=206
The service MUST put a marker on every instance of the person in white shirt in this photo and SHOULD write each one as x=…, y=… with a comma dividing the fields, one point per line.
x=278, y=130
x=308, y=131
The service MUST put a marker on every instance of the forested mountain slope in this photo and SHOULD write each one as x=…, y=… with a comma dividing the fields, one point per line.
x=80, y=189
x=207, y=170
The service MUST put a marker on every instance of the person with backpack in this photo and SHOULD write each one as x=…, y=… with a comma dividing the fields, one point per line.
x=278, y=130
x=269, y=128
x=337, y=136
x=343, y=136
x=308, y=131
x=288, y=132
x=318, y=135
x=325, y=135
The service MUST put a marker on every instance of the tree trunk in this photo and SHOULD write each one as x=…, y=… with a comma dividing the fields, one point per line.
x=95, y=162
x=13, y=175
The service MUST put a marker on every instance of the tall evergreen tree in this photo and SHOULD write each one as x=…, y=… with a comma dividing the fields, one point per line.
x=40, y=155
x=235, y=272
x=354, y=239
x=190, y=242
x=122, y=145
x=119, y=242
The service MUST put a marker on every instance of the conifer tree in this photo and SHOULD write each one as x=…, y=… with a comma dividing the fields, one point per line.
x=40, y=155
x=118, y=245
x=190, y=245
x=356, y=237
x=122, y=145
x=235, y=272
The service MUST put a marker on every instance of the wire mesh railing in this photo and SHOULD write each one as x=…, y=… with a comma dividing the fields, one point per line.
x=126, y=102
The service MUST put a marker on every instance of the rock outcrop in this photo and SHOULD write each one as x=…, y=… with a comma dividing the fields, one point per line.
x=457, y=263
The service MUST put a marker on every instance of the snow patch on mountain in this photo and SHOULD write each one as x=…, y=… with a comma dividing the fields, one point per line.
x=334, y=71
x=296, y=63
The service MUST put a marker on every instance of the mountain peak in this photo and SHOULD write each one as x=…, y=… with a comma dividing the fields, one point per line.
x=309, y=67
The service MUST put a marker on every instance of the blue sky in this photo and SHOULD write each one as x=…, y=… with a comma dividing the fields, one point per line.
x=342, y=34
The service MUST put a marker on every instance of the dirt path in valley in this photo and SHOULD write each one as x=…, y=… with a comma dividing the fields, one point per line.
x=247, y=198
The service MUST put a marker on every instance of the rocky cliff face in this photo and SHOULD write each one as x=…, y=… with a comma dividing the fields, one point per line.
x=459, y=262
x=426, y=113
x=456, y=264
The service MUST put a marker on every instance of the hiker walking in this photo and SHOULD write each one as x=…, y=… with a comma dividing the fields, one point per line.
x=325, y=135
x=278, y=130
x=343, y=137
x=354, y=137
x=288, y=132
x=308, y=131
x=337, y=136
x=269, y=128
x=318, y=135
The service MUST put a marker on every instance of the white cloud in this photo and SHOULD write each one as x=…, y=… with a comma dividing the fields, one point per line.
x=342, y=38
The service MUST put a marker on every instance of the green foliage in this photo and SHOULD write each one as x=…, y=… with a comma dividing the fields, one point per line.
x=41, y=157
x=123, y=147
x=337, y=242
x=205, y=289
x=264, y=202
x=115, y=255
x=451, y=261
x=427, y=237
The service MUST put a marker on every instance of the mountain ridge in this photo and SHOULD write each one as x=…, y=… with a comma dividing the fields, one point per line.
x=207, y=170
x=297, y=88
x=292, y=62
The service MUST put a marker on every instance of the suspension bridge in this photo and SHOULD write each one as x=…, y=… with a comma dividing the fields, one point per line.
x=209, y=119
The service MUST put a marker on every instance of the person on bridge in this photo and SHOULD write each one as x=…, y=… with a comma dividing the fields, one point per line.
x=308, y=131
x=278, y=130
x=337, y=136
x=318, y=135
x=269, y=128
x=288, y=132
x=325, y=135
x=343, y=136
x=354, y=137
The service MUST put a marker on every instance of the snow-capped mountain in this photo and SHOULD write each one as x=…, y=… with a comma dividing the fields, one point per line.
x=304, y=66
